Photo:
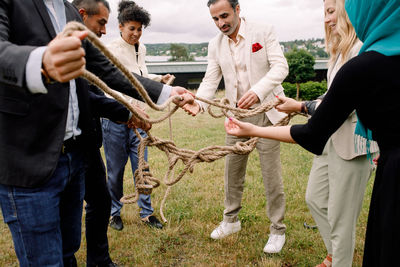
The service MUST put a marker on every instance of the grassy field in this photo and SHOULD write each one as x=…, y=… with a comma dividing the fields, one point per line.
x=195, y=207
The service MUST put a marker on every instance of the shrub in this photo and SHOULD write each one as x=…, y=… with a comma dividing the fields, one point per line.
x=308, y=90
x=290, y=89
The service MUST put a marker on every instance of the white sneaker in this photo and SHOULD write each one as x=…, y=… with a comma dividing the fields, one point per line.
x=224, y=229
x=275, y=243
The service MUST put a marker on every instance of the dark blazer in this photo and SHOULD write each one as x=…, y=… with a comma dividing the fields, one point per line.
x=32, y=126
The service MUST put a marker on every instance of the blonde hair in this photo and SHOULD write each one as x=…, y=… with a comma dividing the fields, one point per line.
x=342, y=42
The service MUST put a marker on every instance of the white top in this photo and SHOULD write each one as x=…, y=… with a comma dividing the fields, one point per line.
x=238, y=54
x=132, y=60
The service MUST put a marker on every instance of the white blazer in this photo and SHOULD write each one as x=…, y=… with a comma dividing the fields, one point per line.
x=126, y=53
x=267, y=67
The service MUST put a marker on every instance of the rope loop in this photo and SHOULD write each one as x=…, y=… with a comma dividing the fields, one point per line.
x=145, y=181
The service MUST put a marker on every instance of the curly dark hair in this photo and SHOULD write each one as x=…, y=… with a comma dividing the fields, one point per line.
x=130, y=11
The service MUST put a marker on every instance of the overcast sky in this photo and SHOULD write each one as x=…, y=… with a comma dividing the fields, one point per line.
x=189, y=21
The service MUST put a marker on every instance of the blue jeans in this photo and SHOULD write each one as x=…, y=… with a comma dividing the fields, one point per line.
x=121, y=142
x=45, y=222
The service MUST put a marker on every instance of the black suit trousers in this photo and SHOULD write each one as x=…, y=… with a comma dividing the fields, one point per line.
x=98, y=208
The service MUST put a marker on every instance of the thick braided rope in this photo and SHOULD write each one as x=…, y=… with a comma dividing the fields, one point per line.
x=99, y=83
x=169, y=187
x=145, y=181
x=239, y=113
x=76, y=26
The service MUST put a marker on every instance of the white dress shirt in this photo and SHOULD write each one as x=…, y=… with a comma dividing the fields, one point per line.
x=238, y=54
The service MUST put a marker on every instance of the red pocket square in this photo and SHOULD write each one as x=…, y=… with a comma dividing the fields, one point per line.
x=255, y=47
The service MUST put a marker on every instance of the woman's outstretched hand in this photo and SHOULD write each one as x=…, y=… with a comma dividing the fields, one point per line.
x=238, y=128
x=288, y=105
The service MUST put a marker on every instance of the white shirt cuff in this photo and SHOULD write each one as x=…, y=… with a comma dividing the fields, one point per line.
x=165, y=93
x=32, y=71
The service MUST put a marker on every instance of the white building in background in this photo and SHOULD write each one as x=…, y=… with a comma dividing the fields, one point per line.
x=319, y=44
x=189, y=74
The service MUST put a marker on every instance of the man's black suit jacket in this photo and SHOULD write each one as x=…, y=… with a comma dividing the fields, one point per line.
x=32, y=126
x=104, y=107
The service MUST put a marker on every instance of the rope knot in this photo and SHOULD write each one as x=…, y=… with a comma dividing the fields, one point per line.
x=145, y=181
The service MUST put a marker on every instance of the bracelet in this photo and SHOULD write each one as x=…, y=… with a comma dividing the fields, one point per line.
x=46, y=76
x=304, y=108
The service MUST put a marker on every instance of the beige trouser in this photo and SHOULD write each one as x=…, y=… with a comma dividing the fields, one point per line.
x=235, y=170
x=334, y=195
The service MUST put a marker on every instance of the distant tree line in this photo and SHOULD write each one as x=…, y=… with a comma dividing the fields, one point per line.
x=314, y=46
x=180, y=53
x=164, y=49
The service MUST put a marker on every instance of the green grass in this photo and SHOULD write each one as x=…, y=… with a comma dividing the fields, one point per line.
x=195, y=206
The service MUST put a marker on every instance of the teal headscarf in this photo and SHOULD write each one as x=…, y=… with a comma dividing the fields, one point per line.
x=377, y=24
